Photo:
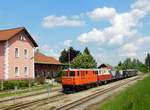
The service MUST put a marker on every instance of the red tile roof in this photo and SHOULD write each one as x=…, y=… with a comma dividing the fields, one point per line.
x=9, y=33
x=105, y=66
x=43, y=59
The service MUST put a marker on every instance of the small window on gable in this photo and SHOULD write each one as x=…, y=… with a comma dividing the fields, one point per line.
x=21, y=37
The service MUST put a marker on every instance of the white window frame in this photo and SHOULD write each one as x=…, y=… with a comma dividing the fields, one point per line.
x=26, y=55
x=17, y=74
x=17, y=55
x=27, y=72
x=21, y=37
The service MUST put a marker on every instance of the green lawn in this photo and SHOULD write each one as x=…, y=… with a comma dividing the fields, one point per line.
x=136, y=97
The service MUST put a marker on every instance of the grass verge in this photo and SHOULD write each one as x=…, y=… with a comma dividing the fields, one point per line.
x=25, y=91
x=136, y=97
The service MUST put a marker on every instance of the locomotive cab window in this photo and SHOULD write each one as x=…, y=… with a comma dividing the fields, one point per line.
x=96, y=72
x=72, y=73
x=64, y=73
x=78, y=74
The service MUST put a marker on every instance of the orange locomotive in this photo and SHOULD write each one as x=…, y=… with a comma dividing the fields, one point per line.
x=79, y=79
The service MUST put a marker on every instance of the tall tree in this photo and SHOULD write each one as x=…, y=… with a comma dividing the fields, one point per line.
x=86, y=50
x=147, y=61
x=84, y=60
x=64, y=57
x=67, y=55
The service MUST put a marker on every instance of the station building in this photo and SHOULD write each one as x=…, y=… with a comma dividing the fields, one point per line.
x=16, y=54
x=46, y=66
x=18, y=59
x=105, y=66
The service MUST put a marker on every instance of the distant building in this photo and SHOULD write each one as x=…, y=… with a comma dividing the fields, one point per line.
x=46, y=66
x=16, y=54
x=107, y=66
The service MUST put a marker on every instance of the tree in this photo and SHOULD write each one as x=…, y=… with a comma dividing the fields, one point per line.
x=120, y=66
x=132, y=64
x=147, y=61
x=64, y=57
x=67, y=55
x=143, y=68
x=84, y=60
x=86, y=50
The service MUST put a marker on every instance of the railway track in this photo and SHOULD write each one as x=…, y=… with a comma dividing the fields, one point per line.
x=55, y=98
x=31, y=103
x=78, y=102
x=26, y=96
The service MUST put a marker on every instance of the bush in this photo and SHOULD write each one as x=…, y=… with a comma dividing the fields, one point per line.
x=10, y=84
x=40, y=80
x=58, y=77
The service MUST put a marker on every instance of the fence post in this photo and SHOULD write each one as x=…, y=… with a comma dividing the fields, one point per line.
x=2, y=85
x=29, y=85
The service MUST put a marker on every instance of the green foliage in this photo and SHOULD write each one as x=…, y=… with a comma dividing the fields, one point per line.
x=10, y=84
x=64, y=57
x=40, y=80
x=143, y=68
x=84, y=61
x=58, y=76
x=147, y=61
x=66, y=54
x=86, y=50
x=134, y=98
x=132, y=64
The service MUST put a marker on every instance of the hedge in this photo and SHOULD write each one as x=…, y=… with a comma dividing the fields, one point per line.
x=10, y=84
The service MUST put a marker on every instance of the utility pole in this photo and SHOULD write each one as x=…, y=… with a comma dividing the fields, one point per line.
x=69, y=57
x=148, y=65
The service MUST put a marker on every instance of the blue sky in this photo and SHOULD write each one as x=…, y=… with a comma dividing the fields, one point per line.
x=112, y=29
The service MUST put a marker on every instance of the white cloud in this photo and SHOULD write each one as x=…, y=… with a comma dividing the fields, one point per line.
x=123, y=25
x=93, y=36
x=61, y=21
x=143, y=5
x=131, y=49
x=102, y=13
x=143, y=40
x=67, y=43
x=49, y=51
x=122, y=28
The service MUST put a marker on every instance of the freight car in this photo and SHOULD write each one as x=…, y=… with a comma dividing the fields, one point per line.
x=74, y=80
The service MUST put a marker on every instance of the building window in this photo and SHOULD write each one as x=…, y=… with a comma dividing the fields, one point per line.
x=26, y=53
x=16, y=71
x=26, y=70
x=16, y=52
x=21, y=37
